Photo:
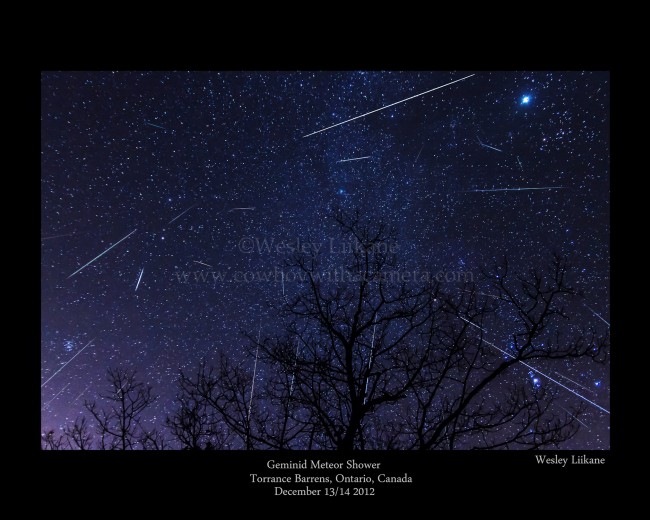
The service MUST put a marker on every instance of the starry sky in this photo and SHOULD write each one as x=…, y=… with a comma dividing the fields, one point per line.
x=191, y=172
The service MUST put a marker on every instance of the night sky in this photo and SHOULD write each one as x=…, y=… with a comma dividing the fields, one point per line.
x=192, y=171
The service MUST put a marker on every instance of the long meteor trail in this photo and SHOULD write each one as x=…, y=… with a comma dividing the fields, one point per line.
x=66, y=364
x=516, y=189
x=416, y=159
x=82, y=393
x=391, y=105
x=181, y=214
x=354, y=159
x=151, y=124
x=537, y=371
x=491, y=147
x=250, y=402
x=140, y=278
x=487, y=145
x=102, y=254
x=598, y=315
x=567, y=411
x=57, y=236
x=574, y=382
x=57, y=395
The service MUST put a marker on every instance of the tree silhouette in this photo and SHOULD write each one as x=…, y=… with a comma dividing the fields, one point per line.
x=376, y=360
x=452, y=407
x=50, y=441
x=74, y=437
x=196, y=425
x=373, y=359
x=120, y=425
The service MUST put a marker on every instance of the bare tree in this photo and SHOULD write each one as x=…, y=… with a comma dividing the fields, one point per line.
x=373, y=360
x=196, y=424
x=357, y=344
x=51, y=441
x=74, y=437
x=452, y=405
x=217, y=412
x=79, y=436
x=120, y=424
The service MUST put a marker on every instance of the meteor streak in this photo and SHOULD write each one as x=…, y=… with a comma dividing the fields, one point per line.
x=372, y=350
x=82, y=393
x=250, y=402
x=354, y=159
x=57, y=395
x=202, y=263
x=68, y=362
x=295, y=362
x=487, y=145
x=140, y=278
x=57, y=236
x=416, y=159
x=598, y=315
x=388, y=106
x=151, y=124
x=102, y=254
x=537, y=371
x=567, y=411
x=181, y=214
x=574, y=382
x=516, y=189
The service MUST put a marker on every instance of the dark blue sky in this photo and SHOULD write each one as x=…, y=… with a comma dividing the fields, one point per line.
x=125, y=151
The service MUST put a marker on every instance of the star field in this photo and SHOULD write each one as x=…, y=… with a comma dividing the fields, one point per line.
x=191, y=172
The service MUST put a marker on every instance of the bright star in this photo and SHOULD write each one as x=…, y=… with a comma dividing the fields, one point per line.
x=525, y=100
